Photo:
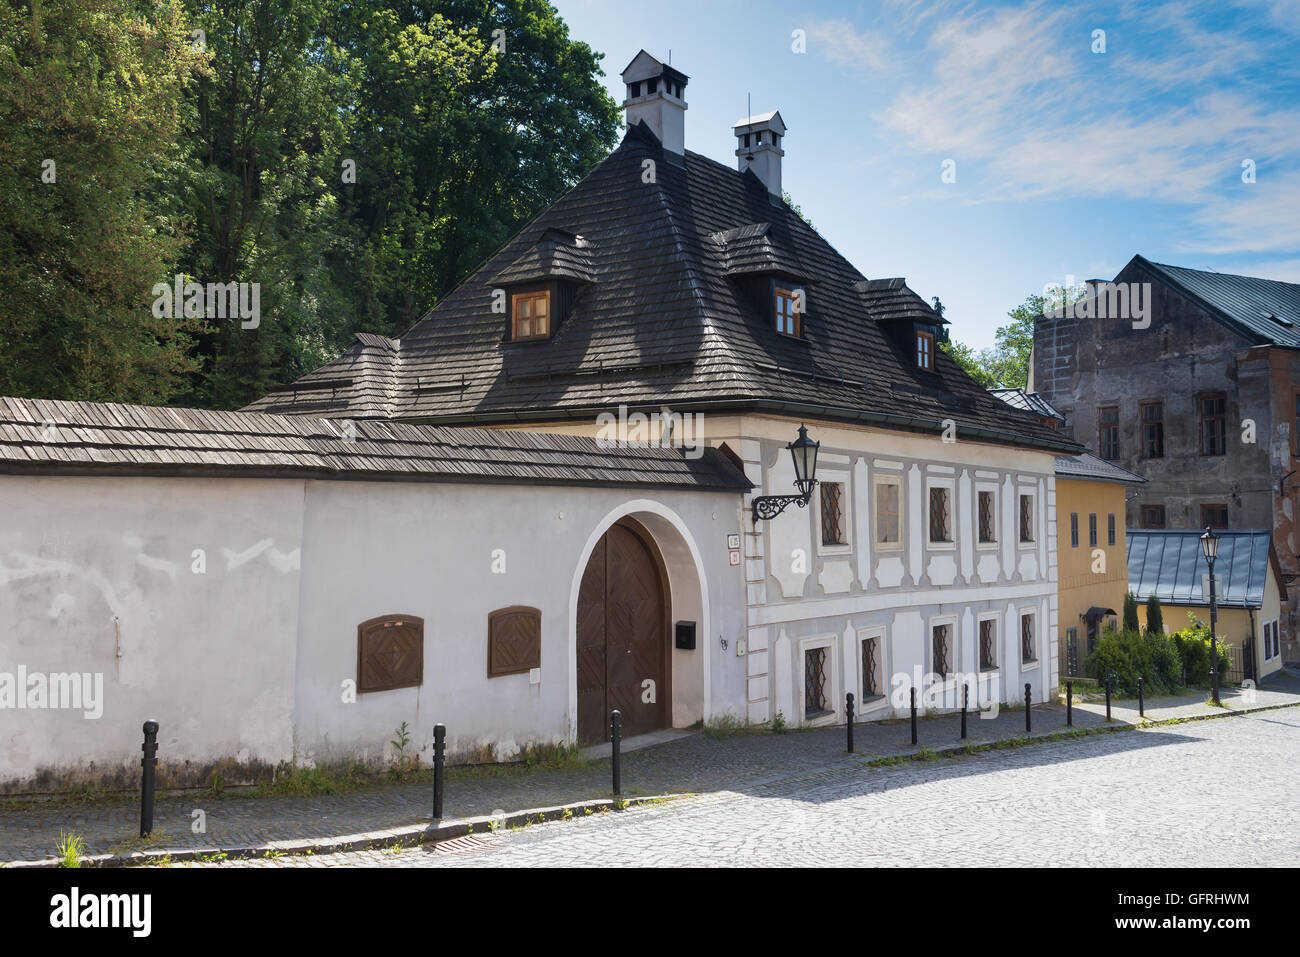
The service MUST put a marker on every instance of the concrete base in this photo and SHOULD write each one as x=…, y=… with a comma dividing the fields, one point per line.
x=635, y=743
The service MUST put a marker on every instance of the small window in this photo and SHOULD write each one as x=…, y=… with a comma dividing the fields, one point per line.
x=1153, y=516
x=988, y=644
x=925, y=350
x=815, y=701
x=889, y=511
x=1153, y=430
x=940, y=514
x=1028, y=652
x=1074, y=529
x=870, y=668
x=652, y=86
x=636, y=90
x=1026, y=519
x=532, y=318
x=1108, y=431
x=832, y=500
x=1110, y=529
x=787, y=312
x=1214, y=516
x=390, y=653
x=1214, y=423
x=941, y=649
x=988, y=531
x=1092, y=530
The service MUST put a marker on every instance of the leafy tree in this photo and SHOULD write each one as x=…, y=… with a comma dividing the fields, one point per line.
x=93, y=95
x=796, y=208
x=1006, y=364
x=1155, y=620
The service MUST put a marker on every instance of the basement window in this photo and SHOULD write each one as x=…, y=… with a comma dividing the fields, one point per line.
x=532, y=316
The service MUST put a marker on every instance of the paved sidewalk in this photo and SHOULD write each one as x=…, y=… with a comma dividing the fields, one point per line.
x=697, y=764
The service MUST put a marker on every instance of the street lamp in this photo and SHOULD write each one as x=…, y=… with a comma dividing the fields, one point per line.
x=804, y=452
x=1210, y=546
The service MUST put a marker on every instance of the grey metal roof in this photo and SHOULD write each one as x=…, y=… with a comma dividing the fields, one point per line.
x=1029, y=401
x=1169, y=564
x=44, y=435
x=1088, y=466
x=1245, y=301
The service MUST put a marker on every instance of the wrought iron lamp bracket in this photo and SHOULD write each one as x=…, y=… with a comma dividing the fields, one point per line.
x=767, y=507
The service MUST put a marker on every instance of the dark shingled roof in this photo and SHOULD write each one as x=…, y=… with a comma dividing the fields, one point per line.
x=1170, y=564
x=1088, y=466
x=45, y=435
x=663, y=324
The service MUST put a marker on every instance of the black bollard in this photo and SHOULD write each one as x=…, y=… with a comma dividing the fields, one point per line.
x=1108, y=699
x=616, y=743
x=965, y=702
x=848, y=711
x=148, y=764
x=1029, y=700
x=914, y=715
x=439, y=760
x=1142, y=708
x=1069, y=704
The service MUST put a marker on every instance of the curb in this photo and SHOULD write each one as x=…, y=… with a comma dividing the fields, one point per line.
x=373, y=840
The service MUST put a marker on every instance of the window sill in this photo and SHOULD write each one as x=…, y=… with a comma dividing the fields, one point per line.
x=874, y=703
x=986, y=546
x=941, y=546
x=888, y=548
x=1029, y=666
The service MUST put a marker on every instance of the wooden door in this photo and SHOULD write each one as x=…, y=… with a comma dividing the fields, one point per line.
x=622, y=636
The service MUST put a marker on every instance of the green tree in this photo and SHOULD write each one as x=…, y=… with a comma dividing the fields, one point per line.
x=1155, y=620
x=1006, y=364
x=1130, y=612
x=93, y=96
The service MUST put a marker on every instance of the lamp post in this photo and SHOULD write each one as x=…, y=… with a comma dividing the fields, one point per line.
x=804, y=452
x=1210, y=546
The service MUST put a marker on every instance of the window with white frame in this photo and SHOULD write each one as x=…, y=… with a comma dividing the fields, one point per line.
x=1028, y=645
x=834, y=514
x=820, y=684
x=987, y=517
x=888, y=494
x=942, y=660
x=988, y=628
x=940, y=514
x=1026, y=518
x=871, y=664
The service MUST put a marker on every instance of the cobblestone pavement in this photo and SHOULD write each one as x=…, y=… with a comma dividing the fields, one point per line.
x=696, y=764
x=1204, y=794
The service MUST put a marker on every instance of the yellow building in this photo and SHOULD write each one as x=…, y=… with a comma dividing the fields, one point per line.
x=1091, y=552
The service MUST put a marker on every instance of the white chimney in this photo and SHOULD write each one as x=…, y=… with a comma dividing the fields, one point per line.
x=758, y=147
x=655, y=94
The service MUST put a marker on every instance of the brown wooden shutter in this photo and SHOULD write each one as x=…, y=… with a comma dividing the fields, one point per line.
x=514, y=640
x=390, y=653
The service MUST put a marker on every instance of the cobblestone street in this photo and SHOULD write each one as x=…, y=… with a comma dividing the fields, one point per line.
x=1208, y=793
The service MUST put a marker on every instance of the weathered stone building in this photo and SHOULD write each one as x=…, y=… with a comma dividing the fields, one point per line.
x=1196, y=388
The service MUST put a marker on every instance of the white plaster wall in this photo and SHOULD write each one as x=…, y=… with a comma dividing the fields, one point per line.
x=97, y=575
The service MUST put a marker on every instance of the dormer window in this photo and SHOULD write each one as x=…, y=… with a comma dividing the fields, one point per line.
x=532, y=315
x=925, y=350
x=787, y=312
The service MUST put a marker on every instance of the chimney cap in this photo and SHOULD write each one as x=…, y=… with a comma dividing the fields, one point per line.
x=645, y=66
x=760, y=121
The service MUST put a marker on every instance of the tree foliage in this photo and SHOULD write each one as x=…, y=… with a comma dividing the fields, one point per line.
x=353, y=161
x=1006, y=364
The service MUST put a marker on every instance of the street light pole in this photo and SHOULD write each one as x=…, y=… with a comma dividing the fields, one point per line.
x=1210, y=545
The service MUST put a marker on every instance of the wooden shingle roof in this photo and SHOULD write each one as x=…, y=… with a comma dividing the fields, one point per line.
x=43, y=435
x=665, y=322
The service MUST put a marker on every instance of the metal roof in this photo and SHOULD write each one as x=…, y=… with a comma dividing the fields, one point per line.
x=1170, y=565
x=1029, y=401
x=1088, y=466
x=1266, y=309
x=50, y=436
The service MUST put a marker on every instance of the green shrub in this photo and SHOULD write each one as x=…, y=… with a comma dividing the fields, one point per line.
x=1193, y=645
x=1155, y=620
x=1129, y=655
x=1130, y=612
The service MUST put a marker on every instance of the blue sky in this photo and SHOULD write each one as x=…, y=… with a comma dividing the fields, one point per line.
x=1068, y=161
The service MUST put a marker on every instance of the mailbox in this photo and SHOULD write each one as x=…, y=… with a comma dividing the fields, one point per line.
x=686, y=635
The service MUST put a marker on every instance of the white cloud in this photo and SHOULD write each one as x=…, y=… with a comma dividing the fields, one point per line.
x=840, y=42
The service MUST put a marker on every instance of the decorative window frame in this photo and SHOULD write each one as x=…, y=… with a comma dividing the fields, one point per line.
x=950, y=680
x=881, y=701
x=830, y=642
x=996, y=618
x=992, y=489
x=375, y=625
x=837, y=476
x=895, y=479
x=950, y=485
x=1032, y=612
x=1034, y=530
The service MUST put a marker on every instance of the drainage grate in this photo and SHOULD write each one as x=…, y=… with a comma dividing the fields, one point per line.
x=459, y=845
